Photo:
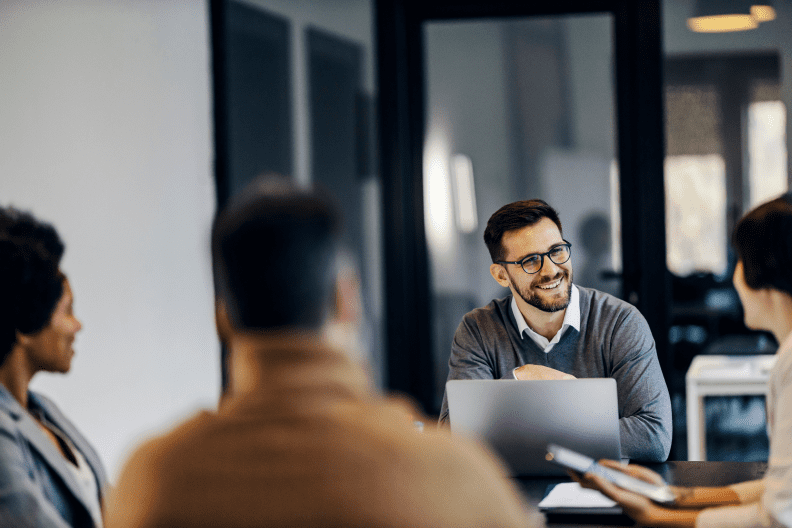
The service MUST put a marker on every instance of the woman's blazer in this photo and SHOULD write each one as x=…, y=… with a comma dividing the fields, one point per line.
x=37, y=488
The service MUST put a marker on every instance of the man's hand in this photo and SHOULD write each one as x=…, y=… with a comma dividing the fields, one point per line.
x=539, y=372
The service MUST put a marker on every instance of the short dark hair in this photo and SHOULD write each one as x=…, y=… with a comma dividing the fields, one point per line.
x=30, y=279
x=512, y=216
x=274, y=249
x=763, y=241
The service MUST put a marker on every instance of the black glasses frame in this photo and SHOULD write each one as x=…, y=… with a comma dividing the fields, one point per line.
x=541, y=256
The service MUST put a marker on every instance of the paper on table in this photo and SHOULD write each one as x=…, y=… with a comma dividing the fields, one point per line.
x=572, y=495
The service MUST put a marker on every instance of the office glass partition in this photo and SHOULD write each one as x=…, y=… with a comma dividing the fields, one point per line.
x=726, y=153
x=515, y=109
x=294, y=91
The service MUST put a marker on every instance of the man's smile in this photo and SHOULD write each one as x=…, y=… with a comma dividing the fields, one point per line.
x=550, y=285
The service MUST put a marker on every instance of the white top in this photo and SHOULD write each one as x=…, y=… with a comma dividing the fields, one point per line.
x=571, y=318
x=775, y=506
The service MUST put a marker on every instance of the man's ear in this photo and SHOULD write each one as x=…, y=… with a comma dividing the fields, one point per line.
x=499, y=274
x=222, y=321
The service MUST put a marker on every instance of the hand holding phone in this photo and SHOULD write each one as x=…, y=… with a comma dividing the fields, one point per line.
x=575, y=461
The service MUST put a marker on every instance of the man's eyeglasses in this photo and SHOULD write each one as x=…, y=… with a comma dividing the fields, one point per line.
x=533, y=262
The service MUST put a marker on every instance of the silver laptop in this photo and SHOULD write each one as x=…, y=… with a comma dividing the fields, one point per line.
x=518, y=418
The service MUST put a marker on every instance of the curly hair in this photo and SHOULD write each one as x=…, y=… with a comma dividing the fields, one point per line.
x=763, y=240
x=30, y=279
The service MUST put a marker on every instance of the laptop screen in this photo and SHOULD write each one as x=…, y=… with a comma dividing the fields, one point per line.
x=518, y=418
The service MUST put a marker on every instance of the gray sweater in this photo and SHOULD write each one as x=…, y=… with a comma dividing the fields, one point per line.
x=614, y=342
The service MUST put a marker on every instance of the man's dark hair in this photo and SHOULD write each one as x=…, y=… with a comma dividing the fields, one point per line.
x=30, y=280
x=273, y=251
x=515, y=215
x=763, y=240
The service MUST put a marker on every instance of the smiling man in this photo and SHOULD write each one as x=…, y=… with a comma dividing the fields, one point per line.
x=548, y=328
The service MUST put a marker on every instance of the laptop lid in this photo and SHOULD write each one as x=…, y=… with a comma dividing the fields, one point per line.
x=518, y=418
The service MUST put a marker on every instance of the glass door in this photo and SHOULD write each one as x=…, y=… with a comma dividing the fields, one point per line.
x=483, y=103
x=516, y=109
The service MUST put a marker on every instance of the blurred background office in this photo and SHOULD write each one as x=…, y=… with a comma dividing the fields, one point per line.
x=126, y=123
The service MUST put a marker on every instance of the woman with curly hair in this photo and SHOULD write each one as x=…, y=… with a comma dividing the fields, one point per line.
x=49, y=474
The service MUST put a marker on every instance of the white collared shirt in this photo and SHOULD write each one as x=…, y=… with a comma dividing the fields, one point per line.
x=571, y=318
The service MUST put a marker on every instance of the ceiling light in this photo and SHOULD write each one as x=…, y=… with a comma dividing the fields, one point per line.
x=717, y=16
x=763, y=12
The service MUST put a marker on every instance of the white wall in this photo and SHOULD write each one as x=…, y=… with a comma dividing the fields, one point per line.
x=105, y=130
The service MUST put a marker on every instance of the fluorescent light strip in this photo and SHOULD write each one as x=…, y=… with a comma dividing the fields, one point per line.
x=466, y=217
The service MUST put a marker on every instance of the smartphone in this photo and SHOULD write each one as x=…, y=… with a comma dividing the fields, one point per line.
x=583, y=464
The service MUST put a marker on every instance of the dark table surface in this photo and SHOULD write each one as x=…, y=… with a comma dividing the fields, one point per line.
x=678, y=473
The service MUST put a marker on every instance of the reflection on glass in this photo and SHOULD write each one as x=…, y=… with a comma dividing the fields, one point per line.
x=464, y=193
x=693, y=120
x=615, y=214
x=695, y=214
x=437, y=193
x=725, y=148
x=767, y=153
x=529, y=103
x=595, y=235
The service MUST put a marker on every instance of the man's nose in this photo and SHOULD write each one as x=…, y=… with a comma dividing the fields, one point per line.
x=549, y=267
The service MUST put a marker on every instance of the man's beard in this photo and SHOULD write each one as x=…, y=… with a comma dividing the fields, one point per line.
x=527, y=294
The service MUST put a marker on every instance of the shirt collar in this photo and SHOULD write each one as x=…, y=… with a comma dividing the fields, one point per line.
x=571, y=319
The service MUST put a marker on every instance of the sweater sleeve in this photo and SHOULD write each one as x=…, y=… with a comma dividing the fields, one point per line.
x=469, y=359
x=645, y=422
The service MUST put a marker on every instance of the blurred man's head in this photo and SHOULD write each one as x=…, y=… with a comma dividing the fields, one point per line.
x=274, y=250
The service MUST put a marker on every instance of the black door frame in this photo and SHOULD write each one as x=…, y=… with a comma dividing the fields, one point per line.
x=641, y=146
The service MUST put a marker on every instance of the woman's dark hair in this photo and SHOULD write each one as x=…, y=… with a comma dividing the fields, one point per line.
x=763, y=240
x=274, y=249
x=515, y=215
x=30, y=280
